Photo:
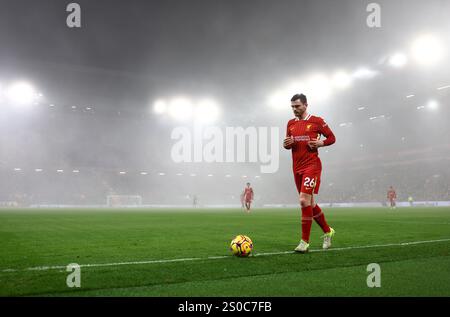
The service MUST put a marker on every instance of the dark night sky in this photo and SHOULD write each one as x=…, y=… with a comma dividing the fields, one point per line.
x=138, y=49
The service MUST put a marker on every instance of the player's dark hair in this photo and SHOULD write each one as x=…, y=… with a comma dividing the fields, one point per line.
x=302, y=98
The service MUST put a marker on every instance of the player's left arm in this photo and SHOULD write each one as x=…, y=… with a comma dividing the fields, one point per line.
x=325, y=131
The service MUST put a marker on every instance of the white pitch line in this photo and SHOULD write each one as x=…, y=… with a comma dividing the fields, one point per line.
x=360, y=247
x=58, y=267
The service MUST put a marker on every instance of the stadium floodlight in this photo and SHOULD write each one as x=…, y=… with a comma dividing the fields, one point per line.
x=17, y=169
x=180, y=109
x=410, y=96
x=361, y=108
x=144, y=173
x=161, y=174
x=122, y=173
x=295, y=87
x=21, y=93
x=193, y=174
x=160, y=106
x=341, y=80
x=318, y=87
x=38, y=170
x=278, y=100
x=377, y=117
x=206, y=111
x=427, y=50
x=60, y=171
x=228, y=175
x=75, y=171
x=432, y=105
x=210, y=175
x=364, y=73
x=398, y=60
x=179, y=174
x=443, y=87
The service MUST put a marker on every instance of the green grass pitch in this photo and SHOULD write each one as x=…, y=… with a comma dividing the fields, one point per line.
x=185, y=252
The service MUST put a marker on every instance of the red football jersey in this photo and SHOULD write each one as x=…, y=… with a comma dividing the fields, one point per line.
x=248, y=193
x=391, y=194
x=302, y=131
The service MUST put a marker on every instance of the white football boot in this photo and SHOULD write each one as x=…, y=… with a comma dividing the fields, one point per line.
x=327, y=239
x=302, y=247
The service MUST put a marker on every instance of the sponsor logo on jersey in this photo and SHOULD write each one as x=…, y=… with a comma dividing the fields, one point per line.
x=301, y=138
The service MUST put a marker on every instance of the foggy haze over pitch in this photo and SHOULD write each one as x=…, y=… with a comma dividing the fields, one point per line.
x=129, y=54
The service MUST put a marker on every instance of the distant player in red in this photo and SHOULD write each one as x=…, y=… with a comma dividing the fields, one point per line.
x=248, y=197
x=392, y=196
x=303, y=138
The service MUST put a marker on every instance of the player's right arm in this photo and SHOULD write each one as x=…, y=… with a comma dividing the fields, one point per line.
x=289, y=140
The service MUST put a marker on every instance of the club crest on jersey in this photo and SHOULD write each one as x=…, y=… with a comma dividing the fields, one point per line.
x=308, y=127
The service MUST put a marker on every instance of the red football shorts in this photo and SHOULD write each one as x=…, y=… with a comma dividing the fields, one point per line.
x=307, y=182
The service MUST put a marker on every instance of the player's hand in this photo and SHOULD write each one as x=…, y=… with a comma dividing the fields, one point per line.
x=315, y=144
x=288, y=142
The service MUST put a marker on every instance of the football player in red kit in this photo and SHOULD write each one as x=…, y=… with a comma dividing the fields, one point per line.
x=303, y=138
x=248, y=197
x=392, y=196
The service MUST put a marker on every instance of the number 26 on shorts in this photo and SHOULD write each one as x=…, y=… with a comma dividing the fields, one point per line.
x=309, y=182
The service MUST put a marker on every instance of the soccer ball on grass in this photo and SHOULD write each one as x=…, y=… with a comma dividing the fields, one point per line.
x=241, y=246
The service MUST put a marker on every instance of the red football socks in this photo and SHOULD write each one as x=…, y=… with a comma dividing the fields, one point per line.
x=307, y=216
x=319, y=217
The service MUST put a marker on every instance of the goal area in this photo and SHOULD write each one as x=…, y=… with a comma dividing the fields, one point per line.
x=123, y=200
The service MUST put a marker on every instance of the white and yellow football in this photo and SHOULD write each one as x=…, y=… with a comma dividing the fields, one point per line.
x=241, y=246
